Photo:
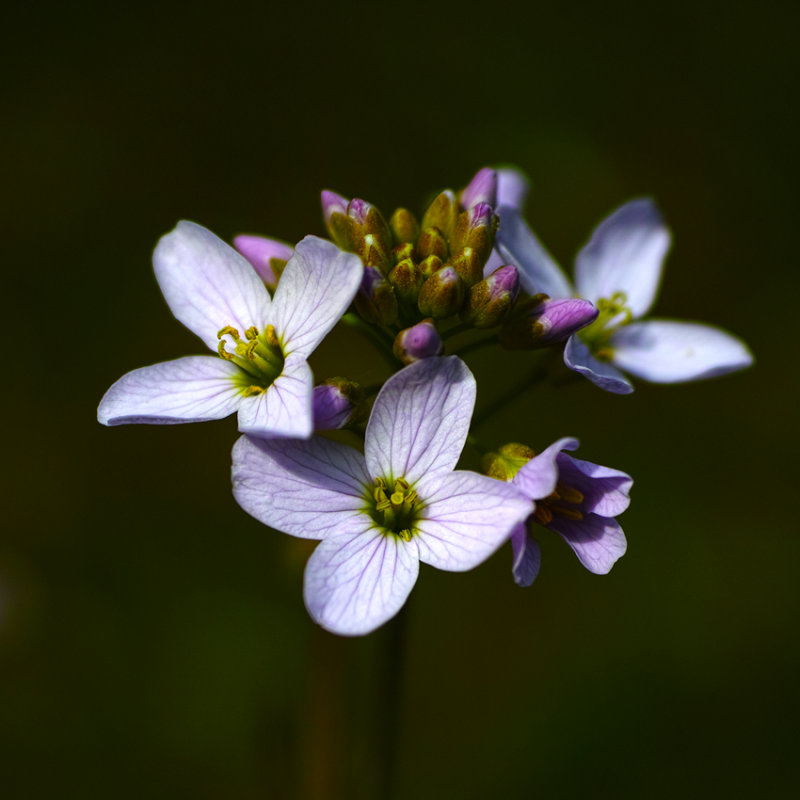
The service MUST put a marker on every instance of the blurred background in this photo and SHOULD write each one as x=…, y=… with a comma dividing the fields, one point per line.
x=153, y=640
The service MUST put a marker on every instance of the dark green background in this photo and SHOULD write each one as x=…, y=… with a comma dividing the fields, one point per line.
x=154, y=641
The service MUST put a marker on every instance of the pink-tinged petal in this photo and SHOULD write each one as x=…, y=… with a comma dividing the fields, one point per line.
x=359, y=579
x=207, y=284
x=494, y=263
x=661, y=351
x=420, y=419
x=597, y=541
x=527, y=556
x=537, y=479
x=332, y=203
x=284, y=410
x=512, y=188
x=482, y=189
x=259, y=251
x=578, y=357
x=307, y=488
x=315, y=289
x=193, y=389
x=625, y=254
x=518, y=245
x=466, y=517
x=605, y=491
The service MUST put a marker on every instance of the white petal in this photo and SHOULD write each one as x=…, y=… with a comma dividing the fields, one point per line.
x=578, y=357
x=358, y=580
x=625, y=254
x=317, y=285
x=307, y=488
x=284, y=410
x=192, y=389
x=662, y=351
x=466, y=518
x=518, y=245
x=420, y=419
x=207, y=284
x=538, y=478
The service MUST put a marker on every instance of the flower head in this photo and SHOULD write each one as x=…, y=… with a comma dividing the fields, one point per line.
x=379, y=514
x=619, y=270
x=577, y=499
x=262, y=344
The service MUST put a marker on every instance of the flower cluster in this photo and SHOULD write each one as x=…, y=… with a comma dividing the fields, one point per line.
x=467, y=267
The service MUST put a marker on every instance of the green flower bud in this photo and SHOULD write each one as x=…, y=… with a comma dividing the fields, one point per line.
x=468, y=265
x=442, y=294
x=404, y=226
x=432, y=243
x=407, y=279
x=442, y=213
x=430, y=265
x=489, y=301
x=375, y=300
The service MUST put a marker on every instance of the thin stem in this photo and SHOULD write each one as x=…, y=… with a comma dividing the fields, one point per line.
x=378, y=338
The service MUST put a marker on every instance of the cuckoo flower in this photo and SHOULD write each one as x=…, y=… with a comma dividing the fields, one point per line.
x=576, y=499
x=262, y=344
x=267, y=256
x=619, y=270
x=379, y=514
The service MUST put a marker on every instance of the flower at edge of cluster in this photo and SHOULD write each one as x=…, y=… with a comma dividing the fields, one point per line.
x=621, y=264
x=215, y=292
x=577, y=499
x=361, y=573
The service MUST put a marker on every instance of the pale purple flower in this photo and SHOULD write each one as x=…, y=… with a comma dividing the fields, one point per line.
x=262, y=344
x=576, y=499
x=619, y=270
x=260, y=252
x=417, y=342
x=379, y=514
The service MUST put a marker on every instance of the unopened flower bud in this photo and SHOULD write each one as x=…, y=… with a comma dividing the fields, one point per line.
x=430, y=265
x=489, y=301
x=336, y=403
x=442, y=213
x=375, y=300
x=482, y=189
x=507, y=461
x=402, y=251
x=404, y=226
x=468, y=266
x=268, y=256
x=542, y=321
x=475, y=228
x=407, y=279
x=332, y=203
x=420, y=341
x=432, y=243
x=442, y=294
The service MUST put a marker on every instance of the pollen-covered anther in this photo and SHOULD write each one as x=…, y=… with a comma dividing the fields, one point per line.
x=394, y=507
x=259, y=355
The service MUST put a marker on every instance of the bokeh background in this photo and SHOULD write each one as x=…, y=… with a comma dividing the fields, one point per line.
x=153, y=639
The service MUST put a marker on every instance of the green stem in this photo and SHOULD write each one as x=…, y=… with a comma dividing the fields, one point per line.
x=379, y=338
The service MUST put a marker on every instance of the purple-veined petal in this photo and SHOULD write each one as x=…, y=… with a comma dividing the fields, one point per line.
x=259, y=251
x=420, y=419
x=192, y=389
x=284, y=410
x=315, y=289
x=512, y=188
x=466, y=517
x=207, y=284
x=518, y=245
x=306, y=488
x=538, y=478
x=625, y=254
x=357, y=580
x=559, y=319
x=527, y=556
x=597, y=541
x=605, y=490
x=662, y=351
x=578, y=357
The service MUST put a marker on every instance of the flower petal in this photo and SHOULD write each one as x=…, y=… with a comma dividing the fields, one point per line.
x=527, y=556
x=662, y=351
x=578, y=357
x=420, y=419
x=538, y=478
x=259, y=251
x=625, y=254
x=307, y=488
x=518, y=245
x=466, y=517
x=605, y=490
x=207, y=284
x=512, y=188
x=315, y=289
x=358, y=580
x=192, y=389
x=284, y=410
x=598, y=542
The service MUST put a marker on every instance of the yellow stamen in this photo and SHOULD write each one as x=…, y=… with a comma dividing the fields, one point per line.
x=569, y=513
x=568, y=494
x=228, y=329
